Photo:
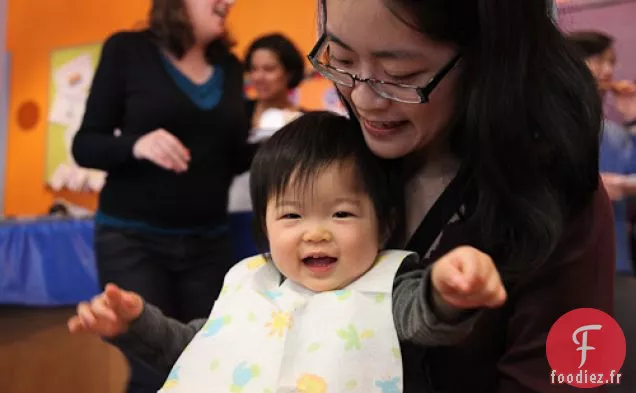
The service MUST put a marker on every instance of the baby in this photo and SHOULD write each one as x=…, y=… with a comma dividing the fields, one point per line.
x=326, y=308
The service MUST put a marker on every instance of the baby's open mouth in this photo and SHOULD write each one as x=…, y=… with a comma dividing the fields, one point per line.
x=319, y=261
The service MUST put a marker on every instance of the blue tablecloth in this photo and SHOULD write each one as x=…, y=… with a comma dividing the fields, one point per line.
x=49, y=263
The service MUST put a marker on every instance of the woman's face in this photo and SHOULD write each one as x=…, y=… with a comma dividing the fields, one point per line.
x=267, y=74
x=207, y=18
x=367, y=40
x=602, y=67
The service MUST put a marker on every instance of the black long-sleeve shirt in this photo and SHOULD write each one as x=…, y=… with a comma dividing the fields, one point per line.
x=132, y=91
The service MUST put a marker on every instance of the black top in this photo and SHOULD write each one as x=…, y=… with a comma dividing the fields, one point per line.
x=133, y=91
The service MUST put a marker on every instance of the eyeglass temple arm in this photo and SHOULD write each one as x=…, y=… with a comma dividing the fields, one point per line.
x=440, y=75
x=314, y=51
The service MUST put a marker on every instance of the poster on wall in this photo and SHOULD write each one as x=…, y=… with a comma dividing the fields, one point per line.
x=71, y=75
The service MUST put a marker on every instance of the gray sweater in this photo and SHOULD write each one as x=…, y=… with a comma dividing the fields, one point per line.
x=419, y=317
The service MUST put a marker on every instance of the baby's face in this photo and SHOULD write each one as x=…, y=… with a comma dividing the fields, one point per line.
x=324, y=236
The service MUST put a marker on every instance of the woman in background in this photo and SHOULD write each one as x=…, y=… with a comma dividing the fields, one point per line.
x=617, y=161
x=275, y=67
x=175, y=93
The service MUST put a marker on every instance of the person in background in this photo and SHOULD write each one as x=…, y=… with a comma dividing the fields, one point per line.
x=617, y=159
x=617, y=164
x=275, y=67
x=175, y=93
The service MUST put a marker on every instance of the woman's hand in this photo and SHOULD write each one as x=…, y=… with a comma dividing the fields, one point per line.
x=467, y=278
x=625, y=98
x=163, y=149
x=109, y=314
x=614, y=185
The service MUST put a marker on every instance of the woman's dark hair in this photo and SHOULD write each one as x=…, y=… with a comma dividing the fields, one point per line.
x=527, y=121
x=590, y=43
x=306, y=146
x=289, y=56
x=170, y=27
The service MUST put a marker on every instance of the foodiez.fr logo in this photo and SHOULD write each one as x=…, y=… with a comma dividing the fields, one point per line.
x=585, y=348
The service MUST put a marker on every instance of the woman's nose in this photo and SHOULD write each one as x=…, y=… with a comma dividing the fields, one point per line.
x=365, y=99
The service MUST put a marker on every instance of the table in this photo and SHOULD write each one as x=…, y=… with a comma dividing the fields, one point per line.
x=50, y=262
x=47, y=262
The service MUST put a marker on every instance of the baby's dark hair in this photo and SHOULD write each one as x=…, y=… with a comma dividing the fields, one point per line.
x=308, y=145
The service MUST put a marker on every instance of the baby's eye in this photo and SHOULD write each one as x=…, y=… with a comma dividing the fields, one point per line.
x=343, y=214
x=290, y=216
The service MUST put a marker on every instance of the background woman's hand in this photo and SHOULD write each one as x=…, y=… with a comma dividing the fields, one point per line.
x=614, y=185
x=163, y=149
x=625, y=98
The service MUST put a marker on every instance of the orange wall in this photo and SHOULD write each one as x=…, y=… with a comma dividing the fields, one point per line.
x=36, y=27
x=294, y=18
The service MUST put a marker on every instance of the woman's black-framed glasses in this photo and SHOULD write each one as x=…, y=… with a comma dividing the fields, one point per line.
x=409, y=94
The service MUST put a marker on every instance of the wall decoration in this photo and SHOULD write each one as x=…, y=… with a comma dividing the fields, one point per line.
x=71, y=75
x=28, y=115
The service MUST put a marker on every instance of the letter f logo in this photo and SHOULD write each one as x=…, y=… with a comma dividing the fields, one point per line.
x=584, y=347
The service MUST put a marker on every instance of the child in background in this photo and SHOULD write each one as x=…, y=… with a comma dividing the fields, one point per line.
x=326, y=308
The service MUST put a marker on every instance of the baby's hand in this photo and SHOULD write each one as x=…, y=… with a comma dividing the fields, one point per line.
x=108, y=314
x=467, y=278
